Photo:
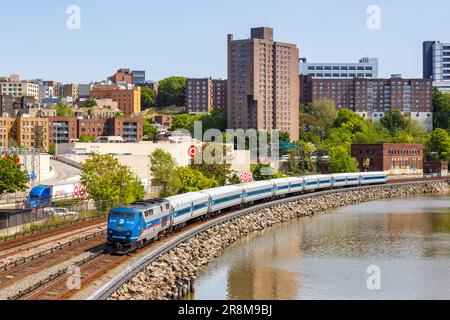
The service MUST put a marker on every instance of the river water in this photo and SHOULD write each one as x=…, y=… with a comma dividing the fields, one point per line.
x=400, y=249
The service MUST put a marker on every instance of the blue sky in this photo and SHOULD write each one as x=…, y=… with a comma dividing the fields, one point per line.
x=188, y=37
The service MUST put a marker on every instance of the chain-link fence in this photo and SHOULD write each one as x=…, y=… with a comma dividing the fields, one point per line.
x=61, y=212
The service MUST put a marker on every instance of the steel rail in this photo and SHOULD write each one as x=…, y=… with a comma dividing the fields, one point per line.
x=127, y=274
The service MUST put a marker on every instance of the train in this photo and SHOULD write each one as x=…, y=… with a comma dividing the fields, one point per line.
x=133, y=226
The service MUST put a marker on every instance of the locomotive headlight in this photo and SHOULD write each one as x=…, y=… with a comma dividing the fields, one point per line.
x=110, y=232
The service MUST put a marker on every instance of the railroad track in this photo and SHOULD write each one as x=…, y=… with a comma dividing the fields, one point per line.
x=57, y=287
x=66, y=284
x=42, y=262
x=65, y=233
x=115, y=283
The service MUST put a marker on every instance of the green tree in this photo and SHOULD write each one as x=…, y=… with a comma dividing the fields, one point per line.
x=216, y=119
x=349, y=120
x=149, y=130
x=441, y=106
x=375, y=133
x=148, y=99
x=264, y=172
x=300, y=157
x=90, y=103
x=108, y=180
x=63, y=110
x=181, y=121
x=219, y=169
x=12, y=177
x=438, y=146
x=171, y=91
x=193, y=180
x=394, y=121
x=86, y=138
x=52, y=149
x=162, y=168
x=317, y=117
x=341, y=161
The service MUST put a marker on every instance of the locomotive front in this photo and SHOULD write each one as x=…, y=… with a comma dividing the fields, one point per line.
x=123, y=229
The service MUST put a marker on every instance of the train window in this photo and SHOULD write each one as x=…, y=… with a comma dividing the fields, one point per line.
x=119, y=214
x=167, y=206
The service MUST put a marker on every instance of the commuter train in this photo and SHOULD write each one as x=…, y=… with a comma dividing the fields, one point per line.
x=135, y=225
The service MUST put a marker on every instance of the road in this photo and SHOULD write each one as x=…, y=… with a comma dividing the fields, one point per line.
x=62, y=172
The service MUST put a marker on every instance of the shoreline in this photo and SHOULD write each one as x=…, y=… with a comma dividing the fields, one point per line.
x=171, y=276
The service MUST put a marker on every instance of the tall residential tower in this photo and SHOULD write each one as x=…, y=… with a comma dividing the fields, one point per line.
x=436, y=64
x=263, y=83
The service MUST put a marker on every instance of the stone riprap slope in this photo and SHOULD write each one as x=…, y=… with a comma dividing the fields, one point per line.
x=171, y=275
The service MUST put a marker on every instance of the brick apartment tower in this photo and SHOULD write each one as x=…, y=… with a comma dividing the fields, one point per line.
x=263, y=83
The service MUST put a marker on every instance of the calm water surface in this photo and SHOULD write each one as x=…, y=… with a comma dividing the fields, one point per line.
x=327, y=257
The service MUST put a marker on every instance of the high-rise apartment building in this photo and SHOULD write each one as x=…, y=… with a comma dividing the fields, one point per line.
x=263, y=83
x=205, y=94
x=365, y=68
x=128, y=99
x=372, y=98
x=436, y=64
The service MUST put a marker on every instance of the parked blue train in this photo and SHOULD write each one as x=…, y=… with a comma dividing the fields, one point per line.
x=133, y=226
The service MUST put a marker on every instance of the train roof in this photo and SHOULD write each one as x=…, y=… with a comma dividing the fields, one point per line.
x=190, y=196
x=224, y=189
x=145, y=204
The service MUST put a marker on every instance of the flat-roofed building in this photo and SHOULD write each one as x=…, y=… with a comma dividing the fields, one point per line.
x=365, y=68
x=372, y=98
x=13, y=86
x=128, y=99
x=32, y=132
x=393, y=158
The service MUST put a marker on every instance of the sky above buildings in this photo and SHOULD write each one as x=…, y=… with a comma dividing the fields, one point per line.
x=188, y=37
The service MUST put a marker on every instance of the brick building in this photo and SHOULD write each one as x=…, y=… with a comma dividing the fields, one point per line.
x=436, y=168
x=372, y=98
x=62, y=129
x=393, y=158
x=128, y=99
x=24, y=132
x=69, y=129
x=263, y=83
x=205, y=94
x=11, y=106
x=122, y=75
x=165, y=120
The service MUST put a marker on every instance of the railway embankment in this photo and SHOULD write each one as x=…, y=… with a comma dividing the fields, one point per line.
x=171, y=275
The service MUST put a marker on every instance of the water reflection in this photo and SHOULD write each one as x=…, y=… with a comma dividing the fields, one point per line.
x=326, y=257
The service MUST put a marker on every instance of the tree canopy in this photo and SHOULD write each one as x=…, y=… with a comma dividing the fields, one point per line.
x=63, y=110
x=441, y=106
x=438, y=146
x=87, y=138
x=12, y=177
x=108, y=180
x=341, y=161
x=171, y=91
x=148, y=98
x=162, y=168
x=149, y=130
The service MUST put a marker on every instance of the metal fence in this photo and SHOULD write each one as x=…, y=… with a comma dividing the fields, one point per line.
x=19, y=221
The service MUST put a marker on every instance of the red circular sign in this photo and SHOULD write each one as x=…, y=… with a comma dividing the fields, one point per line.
x=193, y=150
